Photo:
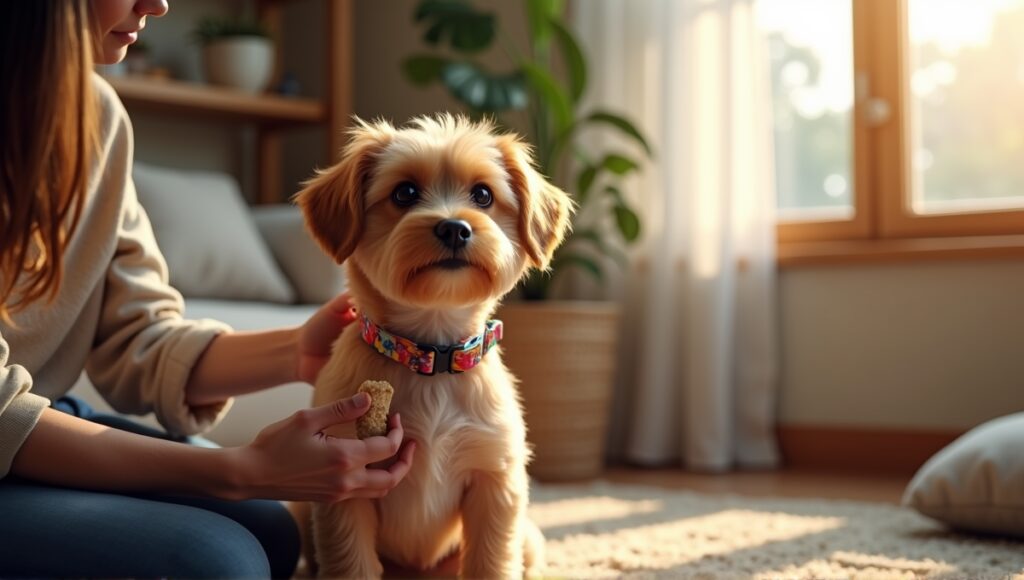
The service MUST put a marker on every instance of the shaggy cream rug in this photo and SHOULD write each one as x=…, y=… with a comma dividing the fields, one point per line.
x=608, y=530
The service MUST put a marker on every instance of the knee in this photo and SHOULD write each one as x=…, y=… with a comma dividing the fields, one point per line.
x=278, y=533
x=220, y=548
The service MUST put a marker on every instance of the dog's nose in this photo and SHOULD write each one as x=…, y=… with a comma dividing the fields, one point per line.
x=453, y=233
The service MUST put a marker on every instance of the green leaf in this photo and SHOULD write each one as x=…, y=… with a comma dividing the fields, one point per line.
x=423, y=69
x=622, y=124
x=563, y=260
x=575, y=64
x=595, y=238
x=616, y=194
x=434, y=33
x=537, y=14
x=618, y=164
x=467, y=29
x=584, y=181
x=628, y=222
x=559, y=143
x=508, y=92
x=599, y=117
x=518, y=96
x=483, y=91
x=551, y=95
x=212, y=28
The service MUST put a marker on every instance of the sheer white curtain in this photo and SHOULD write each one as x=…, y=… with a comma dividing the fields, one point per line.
x=699, y=370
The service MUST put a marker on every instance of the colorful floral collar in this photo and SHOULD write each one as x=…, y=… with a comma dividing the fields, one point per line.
x=429, y=359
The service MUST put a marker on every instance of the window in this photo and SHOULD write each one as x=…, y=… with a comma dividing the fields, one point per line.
x=897, y=119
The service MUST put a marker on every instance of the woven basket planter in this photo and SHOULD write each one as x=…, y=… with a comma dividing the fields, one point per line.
x=564, y=354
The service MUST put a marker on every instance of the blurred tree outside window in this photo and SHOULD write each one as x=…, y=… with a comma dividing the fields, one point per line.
x=810, y=47
x=967, y=87
x=954, y=125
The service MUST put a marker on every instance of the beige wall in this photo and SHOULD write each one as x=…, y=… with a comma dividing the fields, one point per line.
x=924, y=346
x=914, y=345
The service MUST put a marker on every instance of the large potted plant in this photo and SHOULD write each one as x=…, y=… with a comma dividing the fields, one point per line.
x=236, y=53
x=563, y=351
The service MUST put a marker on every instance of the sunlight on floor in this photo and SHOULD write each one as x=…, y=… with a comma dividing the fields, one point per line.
x=878, y=561
x=604, y=530
x=582, y=510
x=664, y=545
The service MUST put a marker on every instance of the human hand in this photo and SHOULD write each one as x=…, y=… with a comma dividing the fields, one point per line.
x=295, y=460
x=318, y=334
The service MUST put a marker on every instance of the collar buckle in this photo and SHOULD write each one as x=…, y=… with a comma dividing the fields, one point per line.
x=443, y=356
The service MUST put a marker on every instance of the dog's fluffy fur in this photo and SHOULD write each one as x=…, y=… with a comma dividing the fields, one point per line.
x=468, y=487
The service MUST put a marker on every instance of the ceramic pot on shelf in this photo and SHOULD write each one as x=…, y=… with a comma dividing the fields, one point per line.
x=245, y=63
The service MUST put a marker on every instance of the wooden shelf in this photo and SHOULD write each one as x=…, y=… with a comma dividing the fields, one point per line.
x=273, y=115
x=178, y=96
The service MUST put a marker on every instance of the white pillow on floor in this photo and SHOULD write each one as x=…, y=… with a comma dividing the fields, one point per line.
x=205, y=232
x=976, y=483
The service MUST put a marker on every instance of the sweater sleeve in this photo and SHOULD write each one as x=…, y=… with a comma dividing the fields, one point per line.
x=19, y=409
x=144, y=349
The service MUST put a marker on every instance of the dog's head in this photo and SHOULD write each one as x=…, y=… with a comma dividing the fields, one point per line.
x=443, y=212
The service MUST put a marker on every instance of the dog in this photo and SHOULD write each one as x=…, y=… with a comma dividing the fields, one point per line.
x=435, y=222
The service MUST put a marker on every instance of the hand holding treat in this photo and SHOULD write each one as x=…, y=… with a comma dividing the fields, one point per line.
x=375, y=421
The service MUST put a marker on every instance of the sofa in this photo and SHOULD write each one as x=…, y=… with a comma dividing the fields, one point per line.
x=253, y=267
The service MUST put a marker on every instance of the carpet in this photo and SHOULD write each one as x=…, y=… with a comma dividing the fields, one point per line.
x=604, y=530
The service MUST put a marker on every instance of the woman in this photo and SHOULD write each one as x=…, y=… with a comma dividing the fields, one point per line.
x=82, y=285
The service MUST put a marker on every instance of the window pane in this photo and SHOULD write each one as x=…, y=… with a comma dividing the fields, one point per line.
x=811, y=52
x=967, y=113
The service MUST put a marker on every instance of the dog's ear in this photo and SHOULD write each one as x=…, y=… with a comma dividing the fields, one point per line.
x=544, y=210
x=333, y=200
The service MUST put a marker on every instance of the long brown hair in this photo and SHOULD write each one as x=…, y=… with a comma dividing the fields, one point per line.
x=48, y=136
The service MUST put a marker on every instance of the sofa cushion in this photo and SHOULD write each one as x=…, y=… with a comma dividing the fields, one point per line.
x=249, y=315
x=314, y=275
x=204, y=230
x=976, y=483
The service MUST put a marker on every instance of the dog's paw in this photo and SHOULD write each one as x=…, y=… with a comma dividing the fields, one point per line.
x=533, y=550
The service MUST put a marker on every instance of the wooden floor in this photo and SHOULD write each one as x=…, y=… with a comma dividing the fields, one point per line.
x=879, y=488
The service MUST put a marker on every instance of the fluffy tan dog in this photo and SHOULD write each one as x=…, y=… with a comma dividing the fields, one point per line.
x=435, y=222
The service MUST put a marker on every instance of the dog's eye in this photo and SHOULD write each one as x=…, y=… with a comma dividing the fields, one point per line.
x=405, y=194
x=481, y=195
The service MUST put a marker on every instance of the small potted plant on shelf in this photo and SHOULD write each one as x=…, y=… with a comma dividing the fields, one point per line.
x=136, y=59
x=563, y=351
x=236, y=53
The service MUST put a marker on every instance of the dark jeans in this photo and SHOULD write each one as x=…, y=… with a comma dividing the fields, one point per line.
x=48, y=531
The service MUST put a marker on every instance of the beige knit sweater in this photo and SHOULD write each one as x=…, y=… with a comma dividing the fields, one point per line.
x=116, y=317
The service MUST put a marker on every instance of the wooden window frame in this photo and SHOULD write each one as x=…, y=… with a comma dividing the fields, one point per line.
x=881, y=156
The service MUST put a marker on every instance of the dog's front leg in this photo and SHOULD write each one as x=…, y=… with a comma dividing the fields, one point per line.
x=345, y=539
x=492, y=509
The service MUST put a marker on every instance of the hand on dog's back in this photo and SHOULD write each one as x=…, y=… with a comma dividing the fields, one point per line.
x=294, y=459
x=316, y=337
